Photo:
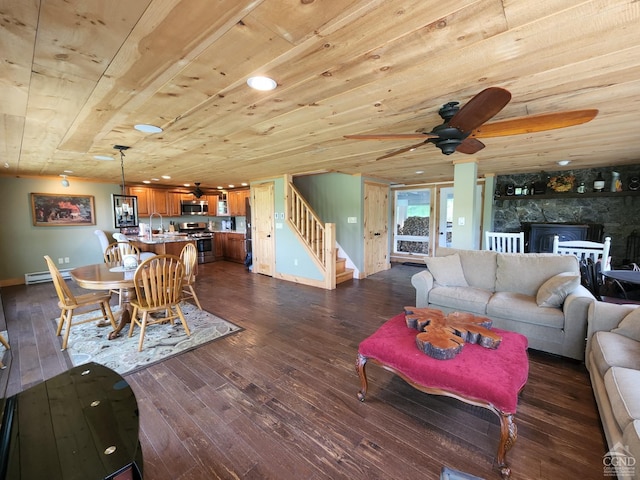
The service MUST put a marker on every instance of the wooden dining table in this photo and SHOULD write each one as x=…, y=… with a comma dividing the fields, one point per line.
x=102, y=276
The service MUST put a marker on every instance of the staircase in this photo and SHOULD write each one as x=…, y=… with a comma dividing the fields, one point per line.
x=342, y=272
x=318, y=238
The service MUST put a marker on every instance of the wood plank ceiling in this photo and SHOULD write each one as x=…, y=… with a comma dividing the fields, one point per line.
x=77, y=75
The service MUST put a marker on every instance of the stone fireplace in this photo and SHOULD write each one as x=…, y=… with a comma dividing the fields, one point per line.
x=614, y=214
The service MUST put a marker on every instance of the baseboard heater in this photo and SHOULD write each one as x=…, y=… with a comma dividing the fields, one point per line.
x=41, y=277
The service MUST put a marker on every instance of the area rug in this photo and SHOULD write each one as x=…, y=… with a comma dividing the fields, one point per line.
x=90, y=343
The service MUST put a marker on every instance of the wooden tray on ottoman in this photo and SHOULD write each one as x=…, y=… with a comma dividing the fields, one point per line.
x=487, y=378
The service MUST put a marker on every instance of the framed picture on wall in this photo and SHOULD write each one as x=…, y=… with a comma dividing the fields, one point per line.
x=125, y=211
x=59, y=210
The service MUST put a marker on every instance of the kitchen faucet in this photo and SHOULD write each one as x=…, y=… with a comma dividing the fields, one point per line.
x=151, y=224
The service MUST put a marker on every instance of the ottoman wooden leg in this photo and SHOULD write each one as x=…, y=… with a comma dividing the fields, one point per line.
x=508, y=436
x=361, y=363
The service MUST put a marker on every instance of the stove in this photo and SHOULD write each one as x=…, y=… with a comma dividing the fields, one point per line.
x=204, y=239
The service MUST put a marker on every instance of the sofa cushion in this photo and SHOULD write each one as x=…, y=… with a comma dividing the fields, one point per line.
x=525, y=273
x=609, y=349
x=553, y=292
x=447, y=271
x=479, y=266
x=523, y=308
x=623, y=390
x=469, y=299
x=630, y=325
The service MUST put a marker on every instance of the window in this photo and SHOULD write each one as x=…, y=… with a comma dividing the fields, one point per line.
x=412, y=210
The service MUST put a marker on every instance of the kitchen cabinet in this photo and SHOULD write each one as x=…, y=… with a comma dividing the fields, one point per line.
x=213, y=204
x=219, y=242
x=236, y=202
x=151, y=200
x=144, y=205
x=173, y=203
x=230, y=246
x=235, y=248
x=159, y=201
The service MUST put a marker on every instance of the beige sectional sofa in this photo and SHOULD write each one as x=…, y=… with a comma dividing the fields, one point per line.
x=536, y=294
x=613, y=360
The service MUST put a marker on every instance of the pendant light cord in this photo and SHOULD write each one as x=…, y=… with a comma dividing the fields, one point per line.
x=122, y=169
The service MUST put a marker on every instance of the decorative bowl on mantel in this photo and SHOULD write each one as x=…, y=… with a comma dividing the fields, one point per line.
x=561, y=183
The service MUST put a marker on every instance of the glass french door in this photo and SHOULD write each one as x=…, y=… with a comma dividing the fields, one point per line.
x=411, y=220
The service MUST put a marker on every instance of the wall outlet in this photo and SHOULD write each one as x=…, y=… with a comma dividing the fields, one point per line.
x=60, y=260
x=461, y=221
x=352, y=219
x=66, y=259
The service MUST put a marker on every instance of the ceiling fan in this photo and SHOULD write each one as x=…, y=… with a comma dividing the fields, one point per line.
x=463, y=126
x=197, y=192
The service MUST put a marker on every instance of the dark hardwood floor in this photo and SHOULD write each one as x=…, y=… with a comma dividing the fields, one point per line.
x=278, y=400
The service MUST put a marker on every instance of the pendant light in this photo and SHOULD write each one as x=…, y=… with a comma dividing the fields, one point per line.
x=122, y=148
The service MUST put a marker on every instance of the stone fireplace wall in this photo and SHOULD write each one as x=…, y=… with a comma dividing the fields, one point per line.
x=618, y=212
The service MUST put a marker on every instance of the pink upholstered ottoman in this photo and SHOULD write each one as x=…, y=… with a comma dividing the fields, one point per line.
x=478, y=376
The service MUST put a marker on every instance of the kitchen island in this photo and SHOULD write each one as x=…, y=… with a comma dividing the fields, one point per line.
x=162, y=244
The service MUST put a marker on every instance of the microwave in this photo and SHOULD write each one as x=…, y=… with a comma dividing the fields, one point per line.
x=194, y=207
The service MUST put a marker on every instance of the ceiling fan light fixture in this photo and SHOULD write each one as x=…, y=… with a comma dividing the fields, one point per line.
x=262, y=83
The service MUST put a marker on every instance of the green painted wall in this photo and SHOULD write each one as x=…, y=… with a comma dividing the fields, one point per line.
x=22, y=245
x=291, y=256
x=335, y=197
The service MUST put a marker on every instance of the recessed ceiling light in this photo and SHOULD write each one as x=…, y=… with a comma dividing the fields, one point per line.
x=244, y=184
x=146, y=181
x=186, y=184
x=6, y=164
x=219, y=187
x=68, y=171
x=166, y=177
x=155, y=179
x=145, y=128
x=106, y=158
x=262, y=83
x=231, y=186
x=562, y=163
x=419, y=172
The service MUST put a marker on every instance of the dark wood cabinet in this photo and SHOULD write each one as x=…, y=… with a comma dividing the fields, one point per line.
x=230, y=246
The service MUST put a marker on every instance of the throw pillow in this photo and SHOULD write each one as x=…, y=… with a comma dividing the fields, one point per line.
x=630, y=325
x=447, y=271
x=553, y=292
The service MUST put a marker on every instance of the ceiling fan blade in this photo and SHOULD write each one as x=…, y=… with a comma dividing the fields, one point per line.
x=402, y=150
x=534, y=123
x=480, y=108
x=470, y=145
x=392, y=136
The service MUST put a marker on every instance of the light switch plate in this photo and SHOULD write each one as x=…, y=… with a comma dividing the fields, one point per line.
x=352, y=219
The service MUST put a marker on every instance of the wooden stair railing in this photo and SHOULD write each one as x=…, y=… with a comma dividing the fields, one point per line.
x=318, y=238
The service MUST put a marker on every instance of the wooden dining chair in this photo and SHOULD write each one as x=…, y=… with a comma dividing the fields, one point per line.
x=158, y=283
x=69, y=303
x=115, y=252
x=189, y=258
x=113, y=257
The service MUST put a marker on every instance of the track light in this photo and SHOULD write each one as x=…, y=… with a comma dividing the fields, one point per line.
x=64, y=182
